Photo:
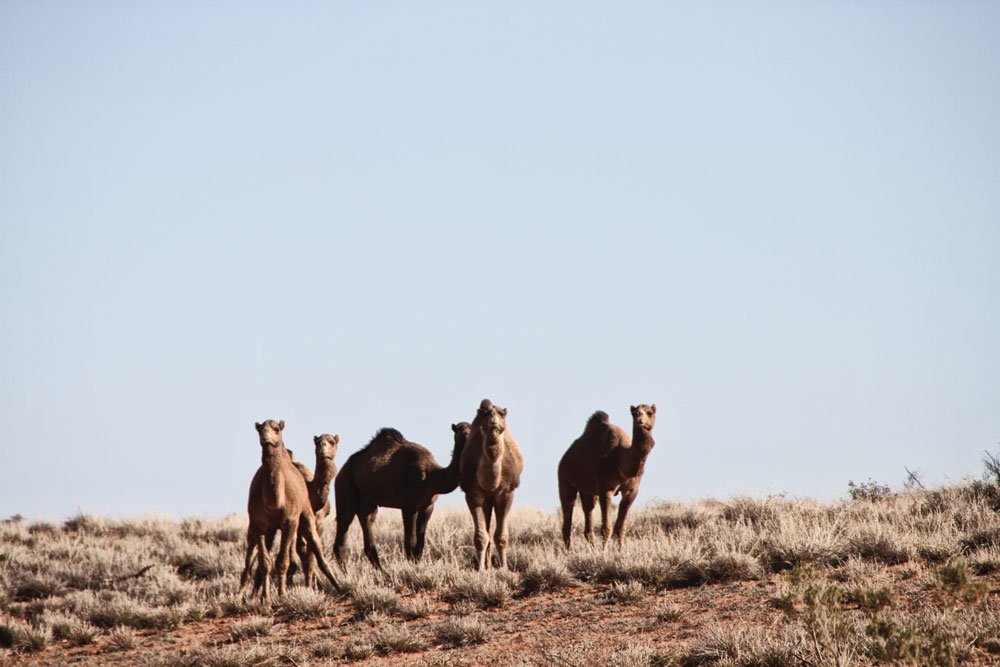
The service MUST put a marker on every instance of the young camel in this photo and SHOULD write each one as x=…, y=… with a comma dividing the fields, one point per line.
x=390, y=471
x=601, y=463
x=279, y=500
x=319, y=497
x=490, y=471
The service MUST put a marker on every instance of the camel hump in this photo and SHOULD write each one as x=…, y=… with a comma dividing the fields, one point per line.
x=306, y=471
x=388, y=435
x=597, y=419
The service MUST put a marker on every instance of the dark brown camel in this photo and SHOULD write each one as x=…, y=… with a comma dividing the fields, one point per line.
x=278, y=500
x=490, y=471
x=601, y=463
x=390, y=471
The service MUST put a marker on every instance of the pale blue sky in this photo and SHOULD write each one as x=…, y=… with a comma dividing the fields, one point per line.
x=778, y=221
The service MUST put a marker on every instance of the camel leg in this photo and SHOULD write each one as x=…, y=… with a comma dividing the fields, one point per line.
x=305, y=559
x=409, y=533
x=587, y=503
x=262, y=581
x=312, y=579
x=605, y=500
x=481, y=536
x=488, y=513
x=253, y=536
x=367, y=519
x=295, y=562
x=628, y=497
x=265, y=542
x=315, y=543
x=423, y=517
x=567, y=497
x=340, y=537
x=502, y=508
x=289, y=533
x=345, y=495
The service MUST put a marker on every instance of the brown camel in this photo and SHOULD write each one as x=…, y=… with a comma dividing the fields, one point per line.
x=390, y=471
x=279, y=500
x=601, y=463
x=319, y=497
x=491, y=470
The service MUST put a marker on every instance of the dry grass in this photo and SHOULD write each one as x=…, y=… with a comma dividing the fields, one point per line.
x=461, y=632
x=835, y=569
x=251, y=627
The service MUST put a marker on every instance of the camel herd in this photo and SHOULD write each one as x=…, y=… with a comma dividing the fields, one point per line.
x=390, y=471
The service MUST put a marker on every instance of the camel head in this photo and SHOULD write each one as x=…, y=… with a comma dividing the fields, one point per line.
x=326, y=446
x=461, y=431
x=644, y=416
x=270, y=436
x=491, y=418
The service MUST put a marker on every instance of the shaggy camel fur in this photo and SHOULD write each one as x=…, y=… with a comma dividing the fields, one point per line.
x=490, y=471
x=279, y=500
x=390, y=471
x=601, y=463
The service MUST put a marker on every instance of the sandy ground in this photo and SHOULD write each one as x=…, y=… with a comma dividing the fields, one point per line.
x=568, y=627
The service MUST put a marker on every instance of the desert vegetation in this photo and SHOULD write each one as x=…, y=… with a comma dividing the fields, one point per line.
x=904, y=577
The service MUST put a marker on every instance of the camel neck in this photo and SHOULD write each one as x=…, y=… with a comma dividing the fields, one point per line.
x=635, y=456
x=445, y=480
x=274, y=458
x=325, y=471
x=493, y=444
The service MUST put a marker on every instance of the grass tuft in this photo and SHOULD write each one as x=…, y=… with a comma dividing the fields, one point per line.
x=483, y=590
x=250, y=627
x=397, y=638
x=122, y=638
x=461, y=632
x=625, y=593
x=24, y=636
x=371, y=599
x=359, y=649
x=546, y=578
x=304, y=603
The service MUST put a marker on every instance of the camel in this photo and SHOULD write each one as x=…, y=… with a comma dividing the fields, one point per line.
x=319, y=497
x=601, y=463
x=278, y=500
x=490, y=471
x=392, y=472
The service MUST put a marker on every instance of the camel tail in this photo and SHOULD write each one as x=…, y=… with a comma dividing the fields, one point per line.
x=316, y=547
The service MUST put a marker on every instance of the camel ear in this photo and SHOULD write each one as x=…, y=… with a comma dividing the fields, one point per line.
x=633, y=409
x=503, y=412
x=653, y=408
x=454, y=428
x=281, y=425
x=336, y=439
x=316, y=439
x=258, y=426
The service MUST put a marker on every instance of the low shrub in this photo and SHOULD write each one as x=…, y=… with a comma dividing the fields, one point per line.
x=461, y=632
